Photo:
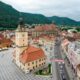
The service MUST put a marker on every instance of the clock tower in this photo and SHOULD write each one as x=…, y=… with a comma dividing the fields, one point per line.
x=21, y=40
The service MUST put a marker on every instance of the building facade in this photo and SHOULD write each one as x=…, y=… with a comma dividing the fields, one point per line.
x=72, y=51
x=47, y=29
x=27, y=57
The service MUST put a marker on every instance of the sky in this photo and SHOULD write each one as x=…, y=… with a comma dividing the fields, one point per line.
x=62, y=8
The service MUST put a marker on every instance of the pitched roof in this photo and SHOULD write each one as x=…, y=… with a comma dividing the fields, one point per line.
x=1, y=36
x=31, y=54
x=46, y=27
x=76, y=35
x=47, y=37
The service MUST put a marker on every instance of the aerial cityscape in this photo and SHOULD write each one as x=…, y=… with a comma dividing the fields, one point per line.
x=39, y=41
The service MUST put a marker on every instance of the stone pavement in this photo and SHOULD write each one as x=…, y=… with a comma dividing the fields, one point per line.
x=9, y=71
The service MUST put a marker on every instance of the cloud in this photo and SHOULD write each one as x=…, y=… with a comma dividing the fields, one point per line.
x=66, y=8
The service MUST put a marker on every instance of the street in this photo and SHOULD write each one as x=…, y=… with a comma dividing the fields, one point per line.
x=10, y=71
x=61, y=72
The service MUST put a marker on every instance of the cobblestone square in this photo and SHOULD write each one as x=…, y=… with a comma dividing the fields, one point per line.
x=10, y=71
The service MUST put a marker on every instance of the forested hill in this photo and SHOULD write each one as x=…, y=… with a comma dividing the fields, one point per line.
x=9, y=17
x=64, y=21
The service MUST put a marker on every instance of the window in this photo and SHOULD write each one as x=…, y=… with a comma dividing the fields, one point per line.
x=33, y=67
x=31, y=70
x=24, y=64
x=39, y=60
x=36, y=61
x=39, y=64
x=22, y=35
x=28, y=64
x=32, y=62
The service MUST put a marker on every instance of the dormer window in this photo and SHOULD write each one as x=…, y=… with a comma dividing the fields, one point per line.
x=22, y=35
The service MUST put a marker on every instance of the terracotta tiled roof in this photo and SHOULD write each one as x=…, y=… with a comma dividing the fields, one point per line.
x=47, y=37
x=31, y=54
x=71, y=38
x=64, y=33
x=76, y=35
x=45, y=27
x=1, y=36
x=2, y=45
x=5, y=42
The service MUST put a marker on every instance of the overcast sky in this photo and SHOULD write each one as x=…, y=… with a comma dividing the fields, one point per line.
x=64, y=8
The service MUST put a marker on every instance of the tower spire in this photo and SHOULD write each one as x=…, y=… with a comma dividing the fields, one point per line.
x=21, y=22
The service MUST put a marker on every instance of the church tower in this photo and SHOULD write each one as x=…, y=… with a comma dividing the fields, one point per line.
x=21, y=40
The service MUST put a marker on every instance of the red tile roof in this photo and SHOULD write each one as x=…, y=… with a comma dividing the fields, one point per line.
x=45, y=27
x=76, y=35
x=5, y=42
x=31, y=54
x=64, y=33
x=1, y=36
x=47, y=37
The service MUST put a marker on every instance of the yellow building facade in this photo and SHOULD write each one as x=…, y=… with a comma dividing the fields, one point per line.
x=28, y=58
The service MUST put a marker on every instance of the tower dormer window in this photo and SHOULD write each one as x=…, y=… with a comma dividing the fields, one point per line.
x=22, y=35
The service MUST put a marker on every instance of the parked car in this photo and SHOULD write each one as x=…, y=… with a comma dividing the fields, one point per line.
x=63, y=76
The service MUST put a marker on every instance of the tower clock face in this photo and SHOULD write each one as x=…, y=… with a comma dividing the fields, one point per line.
x=21, y=38
x=21, y=35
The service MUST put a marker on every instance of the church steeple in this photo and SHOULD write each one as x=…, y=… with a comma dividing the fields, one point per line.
x=21, y=39
x=21, y=25
x=21, y=34
x=21, y=22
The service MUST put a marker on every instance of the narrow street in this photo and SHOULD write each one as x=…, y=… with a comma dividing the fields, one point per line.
x=61, y=72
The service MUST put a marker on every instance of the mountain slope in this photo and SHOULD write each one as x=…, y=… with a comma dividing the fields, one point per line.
x=35, y=18
x=9, y=17
x=64, y=21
